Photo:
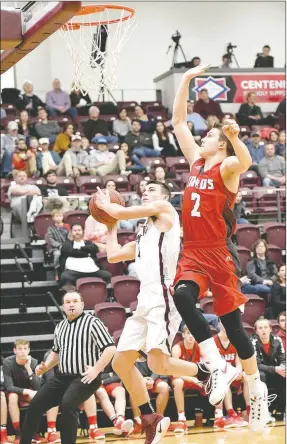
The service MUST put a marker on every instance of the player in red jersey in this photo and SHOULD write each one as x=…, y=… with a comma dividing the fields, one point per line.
x=209, y=258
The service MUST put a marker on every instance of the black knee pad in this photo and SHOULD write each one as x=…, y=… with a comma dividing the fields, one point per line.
x=237, y=335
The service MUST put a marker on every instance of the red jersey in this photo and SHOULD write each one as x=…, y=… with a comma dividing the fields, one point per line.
x=228, y=353
x=207, y=214
x=191, y=355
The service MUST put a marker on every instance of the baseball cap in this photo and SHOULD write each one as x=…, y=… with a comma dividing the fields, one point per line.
x=76, y=137
x=255, y=133
x=102, y=140
x=44, y=140
x=12, y=125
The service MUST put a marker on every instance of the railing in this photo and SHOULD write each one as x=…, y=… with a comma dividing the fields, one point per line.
x=53, y=299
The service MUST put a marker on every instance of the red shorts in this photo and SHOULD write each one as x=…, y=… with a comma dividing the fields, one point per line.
x=111, y=387
x=156, y=382
x=214, y=269
x=23, y=400
x=236, y=385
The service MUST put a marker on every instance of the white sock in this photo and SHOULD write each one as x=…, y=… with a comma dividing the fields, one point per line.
x=254, y=382
x=218, y=413
x=137, y=420
x=210, y=353
x=181, y=416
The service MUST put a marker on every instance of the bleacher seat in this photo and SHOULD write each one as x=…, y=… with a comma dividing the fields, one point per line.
x=63, y=120
x=122, y=183
x=133, y=305
x=157, y=111
x=254, y=307
x=177, y=164
x=41, y=224
x=93, y=290
x=206, y=304
x=112, y=314
x=177, y=338
x=76, y=216
x=275, y=254
x=145, y=104
x=246, y=235
x=249, y=199
x=114, y=269
x=184, y=178
x=250, y=179
x=248, y=328
x=275, y=234
x=125, y=236
x=275, y=326
x=127, y=104
x=40, y=182
x=88, y=184
x=116, y=336
x=153, y=162
x=244, y=257
x=68, y=183
x=126, y=289
x=135, y=178
x=266, y=200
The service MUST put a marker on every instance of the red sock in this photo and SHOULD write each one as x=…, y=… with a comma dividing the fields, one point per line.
x=230, y=413
x=51, y=425
x=92, y=420
x=248, y=409
x=16, y=427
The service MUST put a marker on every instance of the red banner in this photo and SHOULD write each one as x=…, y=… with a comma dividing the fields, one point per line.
x=268, y=87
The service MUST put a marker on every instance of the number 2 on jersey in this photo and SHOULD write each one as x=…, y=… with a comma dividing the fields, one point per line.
x=196, y=198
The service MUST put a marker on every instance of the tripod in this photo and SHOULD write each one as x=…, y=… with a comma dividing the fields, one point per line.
x=177, y=47
x=103, y=90
x=232, y=55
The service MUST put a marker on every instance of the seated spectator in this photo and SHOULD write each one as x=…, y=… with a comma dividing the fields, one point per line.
x=264, y=60
x=79, y=259
x=46, y=159
x=29, y=101
x=240, y=211
x=96, y=128
x=188, y=350
x=280, y=147
x=147, y=122
x=273, y=136
x=101, y=161
x=211, y=121
x=261, y=271
x=25, y=127
x=78, y=99
x=24, y=160
x=195, y=61
x=256, y=148
x=56, y=235
x=135, y=199
x=270, y=356
x=163, y=141
x=96, y=232
x=63, y=140
x=123, y=224
x=74, y=161
x=122, y=125
x=128, y=163
x=86, y=145
x=160, y=175
x=8, y=145
x=250, y=114
x=140, y=143
x=54, y=194
x=281, y=319
x=58, y=102
x=228, y=352
x=3, y=431
x=190, y=125
x=280, y=113
x=45, y=127
x=206, y=106
x=22, y=384
x=34, y=145
x=3, y=114
x=272, y=168
x=19, y=190
x=278, y=292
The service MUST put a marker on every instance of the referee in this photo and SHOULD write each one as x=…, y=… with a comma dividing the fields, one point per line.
x=82, y=349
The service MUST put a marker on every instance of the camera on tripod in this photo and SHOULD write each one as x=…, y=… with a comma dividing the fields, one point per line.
x=230, y=54
x=176, y=37
x=230, y=47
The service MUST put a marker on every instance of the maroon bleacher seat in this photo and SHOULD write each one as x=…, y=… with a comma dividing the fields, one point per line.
x=275, y=254
x=126, y=289
x=89, y=184
x=275, y=326
x=93, y=290
x=248, y=328
x=40, y=181
x=112, y=314
x=246, y=235
x=266, y=200
x=68, y=183
x=151, y=103
x=177, y=338
x=206, y=304
x=122, y=183
x=63, y=120
x=41, y=224
x=244, y=257
x=76, y=216
x=117, y=335
x=126, y=104
x=184, y=178
x=9, y=108
x=115, y=269
x=157, y=111
x=133, y=305
x=177, y=164
x=135, y=178
x=254, y=307
x=153, y=162
x=248, y=198
x=275, y=234
x=250, y=179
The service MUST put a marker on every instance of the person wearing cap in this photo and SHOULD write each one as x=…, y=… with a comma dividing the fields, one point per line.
x=46, y=159
x=272, y=168
x=75, y=158
x=45, y=127
x=24, y=160
x=256, y=148
x=250, y=113
x=101, y=161
x=205, y=106
x=8, y=145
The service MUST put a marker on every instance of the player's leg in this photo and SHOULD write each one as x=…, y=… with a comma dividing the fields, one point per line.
x=119, y=395
x=90, y=407
x=14, y=412
x=162, y=390
x=53, y=436
x=3, y=431
x=178, y=390
x=106, y=403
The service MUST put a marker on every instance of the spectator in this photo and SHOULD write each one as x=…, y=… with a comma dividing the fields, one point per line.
x=147, y=123
x=3, y=114
x=211, y=121
x=192, y=130
x=8, y=145
x=281, y=145
x=135, y=199
x=78, y=99
x=270, y=355
x=24, y=160
x=123, y=224
x=122, y=125
x=54, y=194
x=195, y=62
x=273, y=136
x=199, y=124
x=240, y=211
x=160, y=175
x=163, y=141
x=261, y=271
x=22, y=384
x=225, y=61
x=63, y=141
x=101, y=161
x=33, y=145
x=96, y=232
x=96, y=128
x=264, y=60
x=29, y=101
x=281, y=319
x=250, y=114
x=58, y=102
x=75, y=158
x=256, y=149
x=56, y=235
x=205, y=106
x=278, y=292
x=45, y=127
x=272, y=168
x=79, y=259
x=129, y=162
x=140, y=143
x=46, y=159
x=19, y=190
x=280, y=113
x=25, y=127
x=86, y=145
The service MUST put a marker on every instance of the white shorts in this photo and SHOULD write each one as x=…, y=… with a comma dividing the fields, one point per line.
x=155, y=322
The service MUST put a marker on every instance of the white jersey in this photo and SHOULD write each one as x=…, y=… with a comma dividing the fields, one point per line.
x=157, y=252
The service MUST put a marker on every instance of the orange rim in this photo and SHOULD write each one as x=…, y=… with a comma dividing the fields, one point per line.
x=93, y=9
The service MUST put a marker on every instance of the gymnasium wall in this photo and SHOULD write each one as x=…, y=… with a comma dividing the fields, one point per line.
x=206, y=28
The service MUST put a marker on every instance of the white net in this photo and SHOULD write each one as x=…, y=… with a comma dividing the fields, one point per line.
x=95, y=47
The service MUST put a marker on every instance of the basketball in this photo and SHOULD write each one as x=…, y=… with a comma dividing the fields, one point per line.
x=100, y=215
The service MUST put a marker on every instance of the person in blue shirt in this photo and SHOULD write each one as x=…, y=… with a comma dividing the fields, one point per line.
x=256, y=149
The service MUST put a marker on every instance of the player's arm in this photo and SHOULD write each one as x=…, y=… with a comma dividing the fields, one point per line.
x=185, y=139
x=238, y=164
x=117, y=253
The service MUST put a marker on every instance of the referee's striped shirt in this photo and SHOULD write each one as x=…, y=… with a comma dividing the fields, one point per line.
x=80, y=342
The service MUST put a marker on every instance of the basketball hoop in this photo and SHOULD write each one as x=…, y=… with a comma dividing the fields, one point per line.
x=95, y=38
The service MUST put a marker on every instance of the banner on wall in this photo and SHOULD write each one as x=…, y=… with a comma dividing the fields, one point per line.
x=234, y=88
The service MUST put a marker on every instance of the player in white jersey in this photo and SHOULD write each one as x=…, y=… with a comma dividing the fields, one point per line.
x=152, y=327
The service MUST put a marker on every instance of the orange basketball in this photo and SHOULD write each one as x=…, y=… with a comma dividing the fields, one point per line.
x=101, y=215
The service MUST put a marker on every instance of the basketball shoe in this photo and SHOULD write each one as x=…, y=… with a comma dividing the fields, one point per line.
x=180, y=428
x=3, y=437
x=219, y=381
x=53, y=437
x=155, y=427
x=259, y=414
x=123, y=427
x=96, y=434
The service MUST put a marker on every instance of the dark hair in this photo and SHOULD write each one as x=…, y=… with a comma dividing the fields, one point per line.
x=225, y=56
x=76, y=224
x=266, y=46
x=278, y=268
x=120, y=110
x=40, y=108
x=140, y=221
x=136, y=120
x=250, y=93
x=137, y=187
x=222, y=137
x=164, y=188
x=165, y=130
x=72, y=289
x=203, y=89
x=283, y=313
x=66, y=126
x=139, y=106
x=49, y=172
x=111, y=180
x=255, y=245
x=192, y=61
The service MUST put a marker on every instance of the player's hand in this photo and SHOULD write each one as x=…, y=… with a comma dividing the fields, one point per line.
x=41, y=369
x=27, y=364
x=230, y=128
x=89, y=375
x=102, y=198
x=281, y=371
x=196, y=71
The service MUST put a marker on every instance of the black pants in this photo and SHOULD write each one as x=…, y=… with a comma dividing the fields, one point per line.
x=275, y=384
x=70, y=276
x=65, y=391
